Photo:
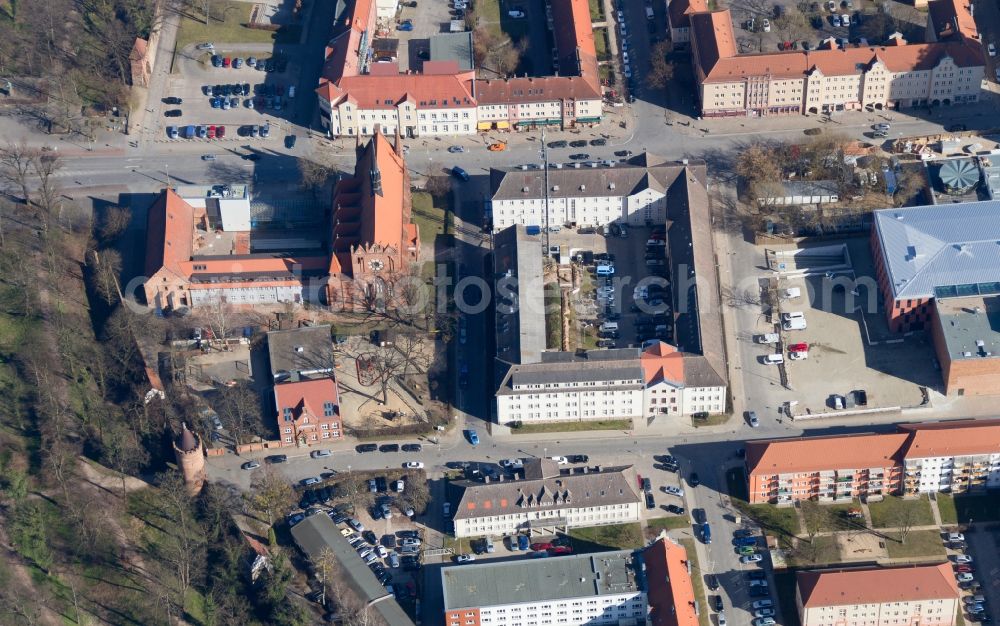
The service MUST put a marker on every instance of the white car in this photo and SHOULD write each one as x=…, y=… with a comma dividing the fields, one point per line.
x=414, y=465
x=516, y=14
x=211, y=46
x=625, y=56
x=845, y=20
x=561, y=460
x=964, y=577
x=765, y=26
x=674, y=491
x=992, y=50
x=464, y=558
x=721, y=617
x=751, y=558
x=628, y=72
x=411, y=541
x=764, y=613
x=956, y=537
x=512, y=463
x=963, y=558
x=318, y=454
x=763, y=604
x=382, y=552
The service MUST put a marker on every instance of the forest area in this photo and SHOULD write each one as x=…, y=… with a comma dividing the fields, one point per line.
x=96, y=525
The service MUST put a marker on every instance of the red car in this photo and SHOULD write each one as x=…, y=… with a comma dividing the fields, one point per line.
x=560, y=550
x=226, y=62
x=211, y=132
x=964, y=569
x=541, y=546
x=220, y=132
x=799, y=347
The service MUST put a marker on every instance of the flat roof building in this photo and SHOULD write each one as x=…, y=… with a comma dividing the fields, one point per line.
x=519, y=292
x=299, y=353
x=598, y=589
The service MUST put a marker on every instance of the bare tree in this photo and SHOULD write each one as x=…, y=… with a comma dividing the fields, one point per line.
x=45, y=168
x=113, y=223
x=184, y=548
x=16, y=164
x=239, y=410
x=438, y=186
x=270, y=493
x=107, y=267
x=122, y=450
x=314, y=175
x=903, y=519
x=407, y=355
x=661, y=71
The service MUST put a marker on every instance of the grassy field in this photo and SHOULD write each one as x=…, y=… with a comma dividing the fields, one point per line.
x=697, y=581
x=601, y=44
x=961, y=508
x=567, y=427
x=820, y=551
x=836, y=518
x=430, y=220
x=778, y=521
x=613, y=537
x=919, y=543
x=227, y=25
x=711, y=420
x=888, y=512
x=596, y=10
x=668, y=523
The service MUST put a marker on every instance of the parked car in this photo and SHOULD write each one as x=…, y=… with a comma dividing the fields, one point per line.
x=249, y=465
x=319, y=454
x=751, y=558
x=676, y=510
x=414, y=465
x=674, y=491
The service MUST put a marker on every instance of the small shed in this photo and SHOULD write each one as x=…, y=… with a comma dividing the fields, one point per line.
x=804, y=192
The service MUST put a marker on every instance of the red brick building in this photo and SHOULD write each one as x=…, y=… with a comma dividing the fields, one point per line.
x=308, y=411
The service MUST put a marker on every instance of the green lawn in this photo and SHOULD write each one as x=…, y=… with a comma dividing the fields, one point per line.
x=430, y=220
x=698, y=582
x=780, y=521
x=889, y=512
x=601, y=44
x=613, y=537
x=821, y=550
x=711, y=420
x=596, y=10
x=919, y=543
x=836, y=518
x=668, y=523
x=962, y=508
x=227, y=25
x=566, y=427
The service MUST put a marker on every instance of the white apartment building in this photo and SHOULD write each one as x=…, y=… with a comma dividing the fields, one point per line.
x=568, y=386
x=891, y=596
x=557, y=101
x=678, y=21
x=546, y=500
x=948, y=70
x=680, y=383
x=952, y=459
x=601, y=589
x=592, y=194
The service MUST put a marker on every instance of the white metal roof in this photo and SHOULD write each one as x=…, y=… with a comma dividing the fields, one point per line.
x=939, y=246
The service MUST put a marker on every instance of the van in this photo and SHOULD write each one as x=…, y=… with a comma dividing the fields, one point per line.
x=768, y=338
x=605, y=270
x=490, y=549
x=794, y=324
x=792, y=293
x=606, y=230
x=291, y=91
x=649, y=13
x=609, y=327
x=774, y=359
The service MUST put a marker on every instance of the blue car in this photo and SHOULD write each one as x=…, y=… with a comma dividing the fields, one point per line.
x=216, y=60
x=745, y=541
x=216, y=103
x=473, y=437
x=405, y=26
x=522, y=542
x=459, y=173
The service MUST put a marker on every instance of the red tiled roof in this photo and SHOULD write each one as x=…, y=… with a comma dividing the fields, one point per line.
x=952, y=438
x=671, y=592
x=662, y=361
x=307, y=397
x=169, y=233
x=574, y=35
x=813, y=454
x=428, y=90
x=877, y=585
x=712, y=38
x=679, y=10
x=530, y=89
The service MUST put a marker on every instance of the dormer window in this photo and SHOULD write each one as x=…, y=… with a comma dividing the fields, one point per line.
x=287, y=414
x=329, y=410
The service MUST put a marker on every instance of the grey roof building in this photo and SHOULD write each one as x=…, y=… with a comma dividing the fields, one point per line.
x=453, y=47
x=519, y=292
x=300, y=353
x=582, y=181
x=547, y=498
x=482, y=585
x=939, y=251
x=317, y=533
x=607, y=368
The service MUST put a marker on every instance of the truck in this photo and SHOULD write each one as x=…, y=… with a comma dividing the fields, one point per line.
x=189, y=132
x=533, y=230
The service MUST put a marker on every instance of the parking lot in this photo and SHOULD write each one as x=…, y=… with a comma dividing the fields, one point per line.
x=258, y=93
x=632, y=289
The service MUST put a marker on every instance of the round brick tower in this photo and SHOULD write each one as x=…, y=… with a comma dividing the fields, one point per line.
x=190, y=459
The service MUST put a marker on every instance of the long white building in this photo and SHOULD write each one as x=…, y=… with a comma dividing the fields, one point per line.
x=545, y=501
x=602, y=589
x=591, y=194
x=952, y=457
x=571, y=387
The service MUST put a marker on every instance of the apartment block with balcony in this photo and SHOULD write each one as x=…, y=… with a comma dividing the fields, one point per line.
x=955, y=456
